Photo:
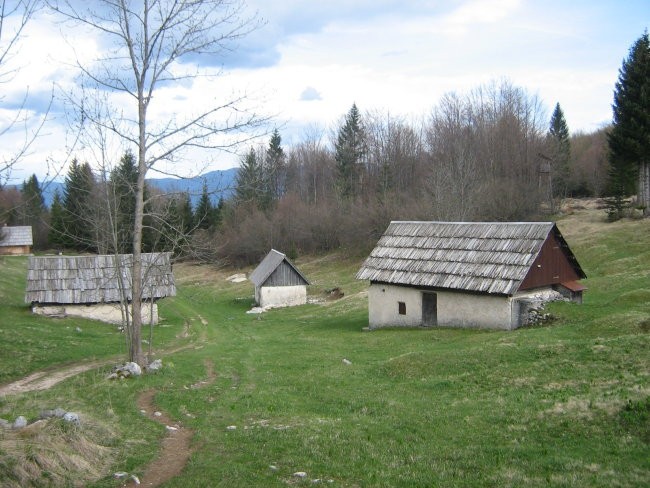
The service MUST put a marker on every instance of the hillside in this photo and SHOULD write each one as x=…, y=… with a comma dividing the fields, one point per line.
x=566, y=403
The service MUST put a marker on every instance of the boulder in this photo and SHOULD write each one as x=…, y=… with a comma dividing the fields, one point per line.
x=154, y=365
x=20, y=422
x=72, y=418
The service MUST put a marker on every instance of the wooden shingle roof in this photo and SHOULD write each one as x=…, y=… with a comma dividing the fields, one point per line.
x=95, y=279
x=269, y=264
x=16, y=236
x=485, y=257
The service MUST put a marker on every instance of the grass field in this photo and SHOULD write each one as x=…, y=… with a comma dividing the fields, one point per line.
x=564, y=404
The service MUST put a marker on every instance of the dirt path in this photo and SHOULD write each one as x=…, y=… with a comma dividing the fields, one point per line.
x=42, y=380
x=176, y=446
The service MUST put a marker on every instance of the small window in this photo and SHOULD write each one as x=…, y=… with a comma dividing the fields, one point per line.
x=401, y=308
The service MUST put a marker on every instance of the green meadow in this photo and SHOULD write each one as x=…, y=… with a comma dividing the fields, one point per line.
x=564, y=403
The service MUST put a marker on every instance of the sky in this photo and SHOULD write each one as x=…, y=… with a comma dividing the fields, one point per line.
x=309, y=61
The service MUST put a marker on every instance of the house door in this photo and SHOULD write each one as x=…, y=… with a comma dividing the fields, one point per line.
x=429, y=309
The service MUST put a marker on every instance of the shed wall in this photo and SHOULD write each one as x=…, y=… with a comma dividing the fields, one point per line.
x=15, y=250
x=454, y=309
x=280, y=296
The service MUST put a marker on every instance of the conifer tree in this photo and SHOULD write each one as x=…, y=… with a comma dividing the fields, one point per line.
x=629, y=140
x=558, y=133
x=276, y=167
x=204, y=213
x=57, y=234
x=350, y=149
x=78, y=206
x=123, y=181
x=249, y=181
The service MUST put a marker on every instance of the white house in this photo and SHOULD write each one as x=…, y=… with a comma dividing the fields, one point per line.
x=466, y=274
x=278, y=283
x=96, y=287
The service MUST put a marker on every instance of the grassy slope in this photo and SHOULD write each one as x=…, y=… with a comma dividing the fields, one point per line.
x=565, y=405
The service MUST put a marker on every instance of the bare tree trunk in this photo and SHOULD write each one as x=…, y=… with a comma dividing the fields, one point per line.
x=644, y=187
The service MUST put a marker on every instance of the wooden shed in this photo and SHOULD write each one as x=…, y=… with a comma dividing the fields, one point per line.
x=467, y=274
x=16, y=240
x=95, y=286
x=278, y=283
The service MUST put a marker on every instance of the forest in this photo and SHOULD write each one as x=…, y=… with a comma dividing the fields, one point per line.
x=492, y=154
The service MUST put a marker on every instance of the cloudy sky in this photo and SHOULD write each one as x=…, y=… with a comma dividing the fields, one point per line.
x=310, y=60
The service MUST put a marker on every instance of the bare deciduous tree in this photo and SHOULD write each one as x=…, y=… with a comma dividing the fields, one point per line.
x=150, y=46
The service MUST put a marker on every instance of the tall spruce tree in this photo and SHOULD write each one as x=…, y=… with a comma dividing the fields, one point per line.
x=276, y=167
x=204, y=213
x=629, y=139
x=123, y=181
x=250, y=178
x=350, y=149
x=558, y=133
x=57, y=235
x=78, y=196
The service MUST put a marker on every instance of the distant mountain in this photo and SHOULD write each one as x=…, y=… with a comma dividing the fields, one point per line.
x=220, y=184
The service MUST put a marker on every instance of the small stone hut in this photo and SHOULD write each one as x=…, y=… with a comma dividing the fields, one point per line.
x=278, y=283
x=482, y=275
x=16, y=240
x=94, y=287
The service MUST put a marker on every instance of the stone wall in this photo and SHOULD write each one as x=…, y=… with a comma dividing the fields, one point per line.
x=281, y=296
x=105, y=312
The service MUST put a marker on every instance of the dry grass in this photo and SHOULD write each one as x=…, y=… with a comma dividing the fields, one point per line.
x=54, y=453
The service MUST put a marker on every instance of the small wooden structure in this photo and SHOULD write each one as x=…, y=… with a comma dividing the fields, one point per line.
x=278, y=283
x=96, y=287
x=467, y=274
x=16, y=240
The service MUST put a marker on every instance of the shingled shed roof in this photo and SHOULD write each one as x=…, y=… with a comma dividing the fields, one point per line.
x=95, y=279
x=269, y=264
x=485, y=257
x=16, y=236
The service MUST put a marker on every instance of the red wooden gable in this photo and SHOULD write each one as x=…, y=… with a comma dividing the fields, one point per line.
x=555, y=264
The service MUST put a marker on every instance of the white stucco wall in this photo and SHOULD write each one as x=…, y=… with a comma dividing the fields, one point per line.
x=106, y=312
x=455, y=309
x=281, y=296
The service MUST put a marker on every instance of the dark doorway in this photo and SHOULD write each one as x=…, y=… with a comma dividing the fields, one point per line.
x=429, y=309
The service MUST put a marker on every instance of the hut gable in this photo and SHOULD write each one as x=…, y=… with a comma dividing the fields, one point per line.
x=16, y=239
x=486, y=257
x=96, y=279
x=276, y=270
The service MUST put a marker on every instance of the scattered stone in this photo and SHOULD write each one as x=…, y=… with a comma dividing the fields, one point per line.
x=316, y=480
x=157, y=414
x=154, y=365
x=231, y=427
x=256, y=310
x=20, y=422
x=133, y=368
x=347, y=362
x=144, y=341
x=143, y=411
x=125, y=371
x=171, y=428
x=237, y=278
x=78, y=329
x=57, y=412
x=120, y=475
x=273, y=467
x=135, y=479
x=300, y=474
x=72, y=418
